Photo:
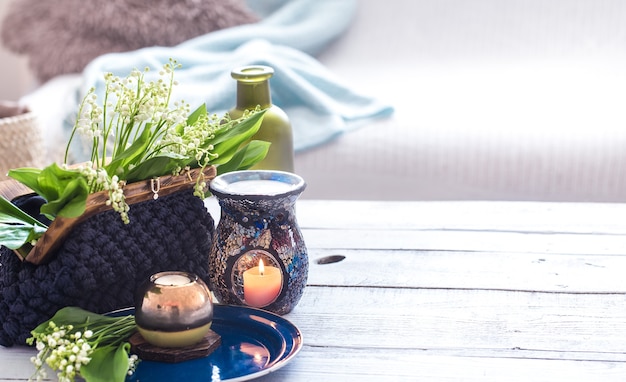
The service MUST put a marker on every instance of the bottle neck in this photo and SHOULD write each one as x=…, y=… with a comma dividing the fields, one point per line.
x=251, y=94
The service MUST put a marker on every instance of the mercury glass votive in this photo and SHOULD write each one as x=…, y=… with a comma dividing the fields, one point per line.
x=173, y=309
x=258, y=257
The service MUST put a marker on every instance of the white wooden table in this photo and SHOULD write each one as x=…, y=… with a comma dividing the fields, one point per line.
x=454, y=291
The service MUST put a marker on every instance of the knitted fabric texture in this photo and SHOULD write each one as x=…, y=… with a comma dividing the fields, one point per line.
x=21, y=144
x=63, y=36
x=103, y=262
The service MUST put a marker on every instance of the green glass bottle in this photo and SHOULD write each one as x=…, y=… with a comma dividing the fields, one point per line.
x=253, y=89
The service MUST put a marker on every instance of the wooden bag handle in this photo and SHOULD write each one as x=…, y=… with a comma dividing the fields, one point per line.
x=135, y=192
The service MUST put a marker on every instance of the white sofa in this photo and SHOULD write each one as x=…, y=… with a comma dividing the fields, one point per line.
x=494, y=99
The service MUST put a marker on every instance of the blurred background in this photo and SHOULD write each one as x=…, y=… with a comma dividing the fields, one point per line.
x=15, y=78
x=493, y=100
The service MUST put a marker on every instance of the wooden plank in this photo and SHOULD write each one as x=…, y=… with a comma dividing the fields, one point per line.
x=464, y=215
x=468, y=241
x=591, y=229
x=347, y=364
x=469, y=270
x=15, y=363
x=521, y=217
x=11, y=189
x=489, y=322
x=399, y=329
x=341, y=364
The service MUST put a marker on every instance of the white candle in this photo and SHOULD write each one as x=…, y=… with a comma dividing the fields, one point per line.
x=172, y=280
x=261, y=285
x=259, y=187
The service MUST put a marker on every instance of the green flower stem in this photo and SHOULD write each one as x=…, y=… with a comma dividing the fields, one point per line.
x=107, y=128
x=115, y=332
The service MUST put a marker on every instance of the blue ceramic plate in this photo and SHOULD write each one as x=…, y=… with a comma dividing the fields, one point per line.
x=254, y=343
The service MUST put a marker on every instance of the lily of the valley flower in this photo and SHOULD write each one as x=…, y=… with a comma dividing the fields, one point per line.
x=70, y=349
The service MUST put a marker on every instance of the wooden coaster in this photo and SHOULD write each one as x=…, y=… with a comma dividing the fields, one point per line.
x=149, y=352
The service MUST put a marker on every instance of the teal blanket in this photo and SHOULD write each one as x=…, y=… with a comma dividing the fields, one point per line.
x=291, y=33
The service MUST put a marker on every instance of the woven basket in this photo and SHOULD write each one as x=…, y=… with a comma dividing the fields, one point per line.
x=97, y=262
x=21, y=144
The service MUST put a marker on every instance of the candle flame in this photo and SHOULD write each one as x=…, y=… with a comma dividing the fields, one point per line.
x=261, y=267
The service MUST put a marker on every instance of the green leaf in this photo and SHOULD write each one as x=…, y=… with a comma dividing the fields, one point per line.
x=65, y=190
x=9, y=209
x=53, y=180
x=71, y=202
x=17, y=227
x=165, y=163
x=72, y=315
x=255, y=151
x=27, y=176
x=193, y=117
x=133, y=154
x=231, y=140
x=108, y=364
x=49, y=182
x=14, y=233
x=15, y=236
x=248, y=126
x=245, y=158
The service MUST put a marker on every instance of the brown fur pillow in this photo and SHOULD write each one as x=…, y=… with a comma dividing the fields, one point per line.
x=63, y=36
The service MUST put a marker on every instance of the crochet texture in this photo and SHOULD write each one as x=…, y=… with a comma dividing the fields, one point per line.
x=103, y=262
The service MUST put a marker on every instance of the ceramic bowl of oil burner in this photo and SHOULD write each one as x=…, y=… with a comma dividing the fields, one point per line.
x=173, y=309
x=258, y=257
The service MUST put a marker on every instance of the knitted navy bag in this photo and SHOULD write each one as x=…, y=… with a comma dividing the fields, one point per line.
x=102, y=262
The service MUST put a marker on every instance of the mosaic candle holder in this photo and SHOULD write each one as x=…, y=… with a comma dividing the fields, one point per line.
x=258, y=257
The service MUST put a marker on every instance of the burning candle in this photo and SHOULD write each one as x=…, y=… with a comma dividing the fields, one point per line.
x=173, y=309
x=261, y=285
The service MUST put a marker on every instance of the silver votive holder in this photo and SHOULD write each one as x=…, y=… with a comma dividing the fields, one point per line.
x=173, y=309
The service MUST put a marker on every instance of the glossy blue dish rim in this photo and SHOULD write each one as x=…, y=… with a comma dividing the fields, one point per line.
x=255, y=342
